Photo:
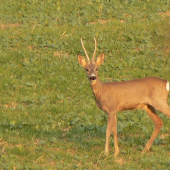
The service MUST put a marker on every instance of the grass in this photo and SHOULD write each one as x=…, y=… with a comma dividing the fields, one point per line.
x=49, y=119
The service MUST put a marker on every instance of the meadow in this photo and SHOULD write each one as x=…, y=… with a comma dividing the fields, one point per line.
x=48, y=116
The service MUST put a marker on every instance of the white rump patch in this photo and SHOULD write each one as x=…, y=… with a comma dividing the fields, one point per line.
x=167, y=86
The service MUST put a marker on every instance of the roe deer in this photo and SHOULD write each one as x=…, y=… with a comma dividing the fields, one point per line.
x=146, y=93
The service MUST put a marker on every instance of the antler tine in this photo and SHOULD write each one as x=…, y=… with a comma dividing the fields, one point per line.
x=94, y=54
x=85, y=50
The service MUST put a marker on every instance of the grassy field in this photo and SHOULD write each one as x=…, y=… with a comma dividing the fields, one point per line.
x=48, y=116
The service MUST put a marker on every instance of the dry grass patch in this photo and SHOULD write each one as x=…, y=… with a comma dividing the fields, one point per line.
x=60, y=53
x=11, y=105
x=9, y=25
x=120, y=161
x=164, y=14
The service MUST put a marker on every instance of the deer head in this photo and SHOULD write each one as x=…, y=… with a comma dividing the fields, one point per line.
x=91, y=66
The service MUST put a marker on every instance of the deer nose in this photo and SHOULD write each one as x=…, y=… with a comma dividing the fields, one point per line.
x=92, y=76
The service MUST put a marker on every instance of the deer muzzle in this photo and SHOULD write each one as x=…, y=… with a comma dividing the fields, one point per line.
x=92, y=77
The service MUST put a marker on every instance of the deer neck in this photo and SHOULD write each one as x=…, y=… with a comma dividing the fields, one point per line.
x=96, y=87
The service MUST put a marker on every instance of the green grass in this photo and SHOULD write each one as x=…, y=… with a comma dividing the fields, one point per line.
x=49, y=119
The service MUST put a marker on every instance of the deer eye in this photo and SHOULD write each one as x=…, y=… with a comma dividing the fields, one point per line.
x=87, y=69
x=96, y=69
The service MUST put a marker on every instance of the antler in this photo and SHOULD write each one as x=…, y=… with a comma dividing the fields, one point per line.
x=84, y=49
x=94, y=49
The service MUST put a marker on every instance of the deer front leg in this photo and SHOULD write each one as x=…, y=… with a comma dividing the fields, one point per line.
x=111, y=127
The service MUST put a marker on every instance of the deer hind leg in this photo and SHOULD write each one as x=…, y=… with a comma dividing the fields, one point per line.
x=111, y=127
x=158, y=125
x=163, y=107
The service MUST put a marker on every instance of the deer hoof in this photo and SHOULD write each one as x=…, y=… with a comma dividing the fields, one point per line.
x=144, y=150
x=106, y=153
x=116, y=153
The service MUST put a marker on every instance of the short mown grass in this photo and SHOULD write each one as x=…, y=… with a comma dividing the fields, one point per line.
x=49, y=119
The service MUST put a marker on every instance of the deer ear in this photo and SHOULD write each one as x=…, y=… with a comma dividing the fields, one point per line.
x=81, y=60
x=100, y=59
